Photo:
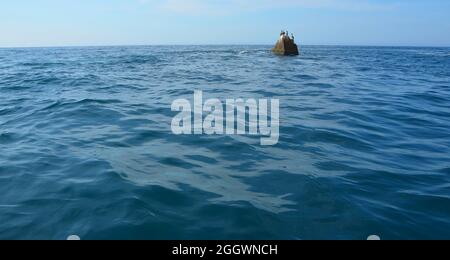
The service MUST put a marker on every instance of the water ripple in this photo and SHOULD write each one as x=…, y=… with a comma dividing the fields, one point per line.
x=85, y=141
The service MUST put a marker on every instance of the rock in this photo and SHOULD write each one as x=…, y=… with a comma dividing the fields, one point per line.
x=286, y=46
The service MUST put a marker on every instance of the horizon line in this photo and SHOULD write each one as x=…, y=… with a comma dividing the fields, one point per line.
x=219, y=44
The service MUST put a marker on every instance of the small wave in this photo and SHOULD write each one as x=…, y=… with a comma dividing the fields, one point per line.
x=305, y=77
x=139, y=59
x=320, y=85
x=7, y=138
x=84, y=80
x=6, y=111
x=363, y=69
x=445, y=171
x=60, y=103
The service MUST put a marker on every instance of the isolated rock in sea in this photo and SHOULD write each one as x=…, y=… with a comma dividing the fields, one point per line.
x=286, y=46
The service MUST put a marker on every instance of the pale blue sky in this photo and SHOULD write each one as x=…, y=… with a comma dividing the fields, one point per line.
x=129, y=22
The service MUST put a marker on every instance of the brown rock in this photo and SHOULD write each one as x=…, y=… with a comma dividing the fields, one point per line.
x=286, y=46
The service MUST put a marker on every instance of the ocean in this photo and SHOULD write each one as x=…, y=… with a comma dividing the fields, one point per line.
x=86, y=146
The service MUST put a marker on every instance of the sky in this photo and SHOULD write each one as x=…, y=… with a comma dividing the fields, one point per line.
x=36, y=23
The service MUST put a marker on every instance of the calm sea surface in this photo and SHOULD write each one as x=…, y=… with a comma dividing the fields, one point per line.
x=86, y=146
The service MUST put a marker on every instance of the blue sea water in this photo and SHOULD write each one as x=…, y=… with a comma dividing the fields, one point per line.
x=86, y=146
